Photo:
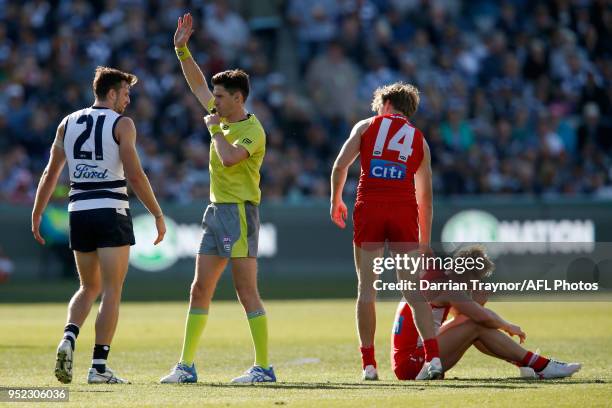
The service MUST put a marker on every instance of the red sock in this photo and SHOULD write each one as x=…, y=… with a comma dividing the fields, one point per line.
x=535, y=361
x=431, y=349
x=367, y=356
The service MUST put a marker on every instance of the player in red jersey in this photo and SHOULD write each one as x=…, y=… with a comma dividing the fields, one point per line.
x=473, y=324
x=394, y=206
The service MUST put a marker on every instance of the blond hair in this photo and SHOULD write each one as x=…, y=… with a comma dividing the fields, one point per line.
x=403, y=97
x=474, y=252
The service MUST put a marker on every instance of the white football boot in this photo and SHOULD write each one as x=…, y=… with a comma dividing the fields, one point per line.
x=431, y=370
x=256, y=374
x=527, y=373
x=370, y=373
x=558, y=369
x=180, y=374
x=107, y=377
x=63, y=362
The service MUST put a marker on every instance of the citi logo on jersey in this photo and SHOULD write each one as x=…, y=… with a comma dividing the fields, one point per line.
x=385, y=169
x=89, y=172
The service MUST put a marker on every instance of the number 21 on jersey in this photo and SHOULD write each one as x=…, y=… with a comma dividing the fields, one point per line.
x=88, y=120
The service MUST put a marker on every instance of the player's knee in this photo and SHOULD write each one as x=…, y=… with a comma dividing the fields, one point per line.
x=91, y=290
x=366, y=293
x=110, y=299
x=366, y=297
x=415, y=299
x=473, y=326
x=197, y=290
x=247, y=293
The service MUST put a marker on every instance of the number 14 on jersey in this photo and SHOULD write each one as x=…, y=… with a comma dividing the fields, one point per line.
x=400, y=142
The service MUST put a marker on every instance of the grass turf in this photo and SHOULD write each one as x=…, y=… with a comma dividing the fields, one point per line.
x=313, y=346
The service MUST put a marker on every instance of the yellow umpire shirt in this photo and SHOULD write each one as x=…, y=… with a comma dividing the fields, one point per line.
x=238, y=183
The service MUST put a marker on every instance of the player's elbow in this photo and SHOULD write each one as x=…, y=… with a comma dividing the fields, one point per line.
x=45, y=173
x=228, y=161
x=50, y=175
x=339, y=168
x=425, y=204
x=136, y=178
x=232, y=157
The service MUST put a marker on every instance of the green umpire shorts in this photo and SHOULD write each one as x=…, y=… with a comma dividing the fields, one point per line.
x=231, y=230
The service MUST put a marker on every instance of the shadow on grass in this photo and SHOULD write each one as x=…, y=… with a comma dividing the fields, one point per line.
x=419, y=386
x=90, y=391
x=516, y=380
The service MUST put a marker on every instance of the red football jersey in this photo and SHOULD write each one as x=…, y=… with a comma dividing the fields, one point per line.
x=406, y=337
x=391, y=153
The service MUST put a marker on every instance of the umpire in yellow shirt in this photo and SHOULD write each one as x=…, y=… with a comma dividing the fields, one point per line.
x=231, y=221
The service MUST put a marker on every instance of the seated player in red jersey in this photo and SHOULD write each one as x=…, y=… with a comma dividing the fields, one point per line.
x=393, y=207
x=472, y=325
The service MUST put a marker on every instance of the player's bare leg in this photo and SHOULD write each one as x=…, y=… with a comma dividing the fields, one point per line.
x=423, y=320
x=113, y=269
x=365, y=307
x=457, y=339
x=244, y=272
x=90, y=279
x=78, y=309
x=208, y=270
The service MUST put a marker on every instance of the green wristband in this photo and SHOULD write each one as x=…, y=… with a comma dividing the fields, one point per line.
x=214, y=129
x=182, y=53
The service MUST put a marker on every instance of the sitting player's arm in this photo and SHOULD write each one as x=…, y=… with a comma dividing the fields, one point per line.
x=125, y=133
x=466, y=306
x=194, y=76
x=48, y=181
x=479, y=296
x=424, y=195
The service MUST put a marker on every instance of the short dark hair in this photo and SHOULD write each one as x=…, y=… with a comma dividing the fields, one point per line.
x=403, y=97
x=110, y=78
x=233, y=80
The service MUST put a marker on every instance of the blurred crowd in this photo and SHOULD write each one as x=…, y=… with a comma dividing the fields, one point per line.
x=515, y=95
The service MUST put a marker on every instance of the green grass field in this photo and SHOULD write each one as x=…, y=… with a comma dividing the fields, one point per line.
x=314, y=351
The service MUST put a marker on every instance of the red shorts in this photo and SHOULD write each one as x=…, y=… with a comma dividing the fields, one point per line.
x=407, y=364
x=378, y=221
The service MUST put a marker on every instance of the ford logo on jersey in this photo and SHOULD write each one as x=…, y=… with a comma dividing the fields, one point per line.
x=89, y=172
x=387, y=170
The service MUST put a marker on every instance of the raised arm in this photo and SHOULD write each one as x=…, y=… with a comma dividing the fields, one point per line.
x=48, y=181
x=424, y=196
x=193, y=74
x=346, y=157
x=126, y=134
